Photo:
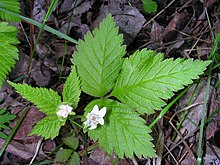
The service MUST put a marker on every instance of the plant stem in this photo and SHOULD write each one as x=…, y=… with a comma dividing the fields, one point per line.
x=51, y=8
x=164, y=111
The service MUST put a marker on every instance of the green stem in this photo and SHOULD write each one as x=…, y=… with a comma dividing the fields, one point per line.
x=47, y=28
x=164, y=111
x=51, y=8
x=67, y=32
x=199, y=158
x=75, y=123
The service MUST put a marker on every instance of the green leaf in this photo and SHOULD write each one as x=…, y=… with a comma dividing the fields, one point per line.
x=2, y=126
x=63, y=155
x=71, y=90
x=71, y=141
x=11, y=5
x=8, y=52
x=149, y=6
x=47, y=101
x=74, y=160
x=3, y=135
x=3, y=110
x=6, y=118
x=123, y=132
x=146, y=81
x=98, y=59
x=48, y=127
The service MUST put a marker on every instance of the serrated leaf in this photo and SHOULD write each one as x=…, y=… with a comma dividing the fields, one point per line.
x=98, y=59
x=46, y=100
x=6, y=118
x=71, y=141
x=8, y=52
x=71, y=90
x=12, y=6
x=2, y=126
x=3, y=135
x=123, y=132
x=146, y=80
x=74, y=160
x=149, y=6
x=3, y=110
x=63, y=155
x=48, y=127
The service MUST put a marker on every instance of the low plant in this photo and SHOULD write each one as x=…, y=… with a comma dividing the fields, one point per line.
x=5, y=119
x=69, y=155
x=123, y=89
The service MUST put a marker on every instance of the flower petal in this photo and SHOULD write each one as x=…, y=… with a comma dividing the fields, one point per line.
x=95, y=110
x=101, y=121
x=86, y=123
x=102, y=112
x=93, y=126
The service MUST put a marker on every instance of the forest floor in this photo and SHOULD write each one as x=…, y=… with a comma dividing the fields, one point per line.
x=179, y=29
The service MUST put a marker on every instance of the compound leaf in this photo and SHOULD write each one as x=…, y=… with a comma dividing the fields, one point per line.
x=74, y=160
x=123, y=132
x=12, y=6
x=98, y=59
x=146, y=80
x=71, y=90
x=63, y=155
x=8, y=52
x=46, y=100
x=71, y=141
x=48, y=127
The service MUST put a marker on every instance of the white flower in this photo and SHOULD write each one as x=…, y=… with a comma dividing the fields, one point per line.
x=64, y=111
x=95, y=117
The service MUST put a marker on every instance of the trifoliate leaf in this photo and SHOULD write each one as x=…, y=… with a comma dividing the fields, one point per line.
x=47, y=101
x=74, y=160
x=63, y=155
x=146, y=79
x=12, y=6
x=48, y=127
x=123, y=132
x=71, y=90
x=71, y=141
x=98, y=59
x=149, y=6
x=8, y=52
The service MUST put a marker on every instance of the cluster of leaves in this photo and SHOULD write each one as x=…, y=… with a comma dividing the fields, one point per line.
x=69, y=155
x=48, y=103
x=8, y=54
x=140, y=82
x=5, y=119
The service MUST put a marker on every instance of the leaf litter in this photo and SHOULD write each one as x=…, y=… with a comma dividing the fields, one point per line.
x=182, y=30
